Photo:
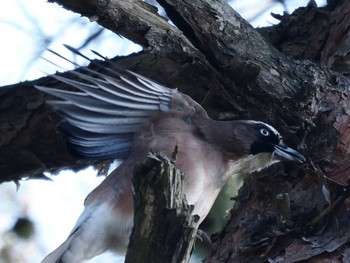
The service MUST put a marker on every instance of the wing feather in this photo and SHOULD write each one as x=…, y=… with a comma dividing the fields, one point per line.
x=101, y=117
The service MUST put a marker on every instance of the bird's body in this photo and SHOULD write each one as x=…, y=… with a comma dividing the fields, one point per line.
x=154, y=118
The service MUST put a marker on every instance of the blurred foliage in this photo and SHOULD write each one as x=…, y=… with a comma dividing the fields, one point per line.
x=24, y=228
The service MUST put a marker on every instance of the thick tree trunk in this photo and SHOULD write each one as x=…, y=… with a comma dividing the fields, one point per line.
x=287, y=213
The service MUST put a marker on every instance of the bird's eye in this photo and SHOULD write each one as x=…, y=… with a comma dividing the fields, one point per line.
x=264, y=132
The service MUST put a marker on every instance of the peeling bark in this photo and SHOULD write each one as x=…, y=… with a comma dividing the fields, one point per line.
x=164, y=228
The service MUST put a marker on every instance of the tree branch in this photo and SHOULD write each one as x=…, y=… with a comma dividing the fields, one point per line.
x=164, y=229
x=137, y=21
x=317, y=34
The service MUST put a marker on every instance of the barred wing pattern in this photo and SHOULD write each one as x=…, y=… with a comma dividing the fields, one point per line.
x=101, y=117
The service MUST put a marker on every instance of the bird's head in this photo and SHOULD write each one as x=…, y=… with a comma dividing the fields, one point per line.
x=259, y=145
x=259, y=137
x=269, y=140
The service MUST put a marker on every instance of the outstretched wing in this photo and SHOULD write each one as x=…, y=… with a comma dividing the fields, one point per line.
x=102, y=116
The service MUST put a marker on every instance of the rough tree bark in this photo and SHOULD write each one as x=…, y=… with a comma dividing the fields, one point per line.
x=295, y=78
x=164, y=229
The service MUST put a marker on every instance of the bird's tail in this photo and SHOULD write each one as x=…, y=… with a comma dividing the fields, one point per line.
x=56, y=256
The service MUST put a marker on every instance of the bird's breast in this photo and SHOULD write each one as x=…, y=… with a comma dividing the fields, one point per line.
x=200, y=163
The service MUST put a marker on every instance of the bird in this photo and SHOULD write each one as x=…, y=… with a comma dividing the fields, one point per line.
x=119, y=114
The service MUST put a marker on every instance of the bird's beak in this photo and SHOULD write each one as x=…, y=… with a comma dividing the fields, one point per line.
x=289, y=153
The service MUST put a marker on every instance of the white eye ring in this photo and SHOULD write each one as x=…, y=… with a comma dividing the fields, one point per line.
x=264, y=132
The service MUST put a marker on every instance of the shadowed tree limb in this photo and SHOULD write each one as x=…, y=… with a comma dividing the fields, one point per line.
x=164, y=229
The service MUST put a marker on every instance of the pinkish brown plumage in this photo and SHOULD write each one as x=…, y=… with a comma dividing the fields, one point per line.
x=120, y=114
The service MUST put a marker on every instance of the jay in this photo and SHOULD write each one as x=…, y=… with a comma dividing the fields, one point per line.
x=119, y=114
